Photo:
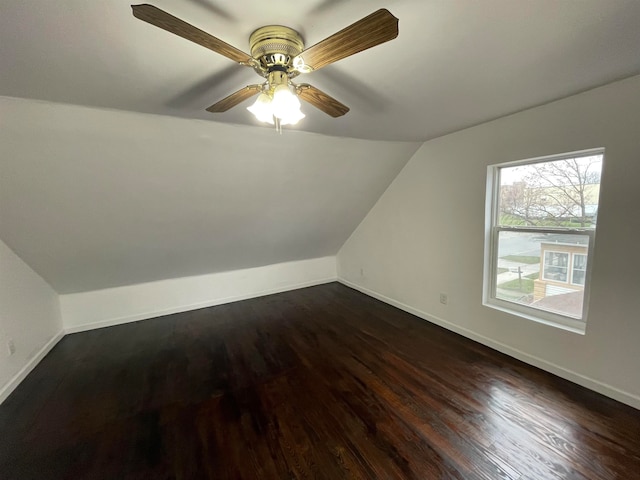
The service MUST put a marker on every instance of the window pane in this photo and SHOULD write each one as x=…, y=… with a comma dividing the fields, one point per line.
x=533, y=269
x=556, y=193
x=555, y=266
x=579, y=269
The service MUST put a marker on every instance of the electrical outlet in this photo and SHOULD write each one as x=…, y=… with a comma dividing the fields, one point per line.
x=444, y=298
x=362, y=272
x=11, y=347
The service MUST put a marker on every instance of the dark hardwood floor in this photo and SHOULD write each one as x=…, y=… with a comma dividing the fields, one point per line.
x=322, y=382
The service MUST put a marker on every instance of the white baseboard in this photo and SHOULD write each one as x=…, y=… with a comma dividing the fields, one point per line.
x=597, y=386
x=131, y=303
x=600, y=387
x=193, y=306
x=12, y=384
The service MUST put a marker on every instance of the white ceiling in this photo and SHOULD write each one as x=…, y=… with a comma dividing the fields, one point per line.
x=455, y=63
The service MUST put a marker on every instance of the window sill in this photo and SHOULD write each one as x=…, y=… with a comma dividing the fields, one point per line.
x=563, y=323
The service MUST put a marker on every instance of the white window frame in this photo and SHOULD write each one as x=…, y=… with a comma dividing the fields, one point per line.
x=492, y=232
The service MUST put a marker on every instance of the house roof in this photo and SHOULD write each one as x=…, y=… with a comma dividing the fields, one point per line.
x=564, y=303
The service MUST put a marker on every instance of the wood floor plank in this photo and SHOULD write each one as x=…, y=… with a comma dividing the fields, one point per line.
x=317, y=383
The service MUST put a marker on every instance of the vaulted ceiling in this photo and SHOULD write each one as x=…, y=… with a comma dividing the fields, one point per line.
x=92, y=199
x=454, y=63
x=113, y=173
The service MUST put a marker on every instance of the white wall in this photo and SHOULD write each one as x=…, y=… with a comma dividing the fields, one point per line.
x=124, y=198
x=112, y=306
x=426, y=235
x=29, y=314
x=33, y=314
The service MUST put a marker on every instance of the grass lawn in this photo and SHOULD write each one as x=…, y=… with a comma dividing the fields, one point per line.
x=514, y=220
x=523, y=286
x=502, y=270
x=533, y=276
x=522, y=259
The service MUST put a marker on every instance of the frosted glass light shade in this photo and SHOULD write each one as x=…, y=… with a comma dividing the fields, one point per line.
x=262, y=108
x=292, y=117
x=286, y=105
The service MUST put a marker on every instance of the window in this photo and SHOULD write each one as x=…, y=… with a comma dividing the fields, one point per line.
x=579, y=269
x=555, y=266
x=541, y=221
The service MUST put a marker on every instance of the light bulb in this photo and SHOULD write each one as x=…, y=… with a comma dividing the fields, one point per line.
x=262, y=108
x=283, y=101
x=286, y=105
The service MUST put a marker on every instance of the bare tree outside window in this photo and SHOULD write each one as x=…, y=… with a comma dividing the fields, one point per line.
x=557, y=193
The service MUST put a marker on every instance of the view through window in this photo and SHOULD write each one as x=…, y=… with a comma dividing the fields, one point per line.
x=544, y=216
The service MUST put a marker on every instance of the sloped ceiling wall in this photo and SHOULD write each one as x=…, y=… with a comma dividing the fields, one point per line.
x=93, y=199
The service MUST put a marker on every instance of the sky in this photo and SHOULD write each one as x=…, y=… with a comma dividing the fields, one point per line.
x=509, y=175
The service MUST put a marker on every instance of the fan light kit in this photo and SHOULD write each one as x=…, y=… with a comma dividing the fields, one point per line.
x=278, y=55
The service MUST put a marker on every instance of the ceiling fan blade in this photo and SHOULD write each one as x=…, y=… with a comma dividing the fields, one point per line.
x=379, y=27
x=235, y=98
x=166, y=21
x=321, y=100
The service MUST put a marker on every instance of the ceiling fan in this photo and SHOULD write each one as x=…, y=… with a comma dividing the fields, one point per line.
x=278, y=54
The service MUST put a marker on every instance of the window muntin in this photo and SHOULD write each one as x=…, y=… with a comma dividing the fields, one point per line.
x=541, y=219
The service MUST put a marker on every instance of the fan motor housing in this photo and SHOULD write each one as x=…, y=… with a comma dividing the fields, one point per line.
x=275, y=45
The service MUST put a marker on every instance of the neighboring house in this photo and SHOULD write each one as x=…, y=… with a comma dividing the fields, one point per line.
x=562, y=272
x=562, y=269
